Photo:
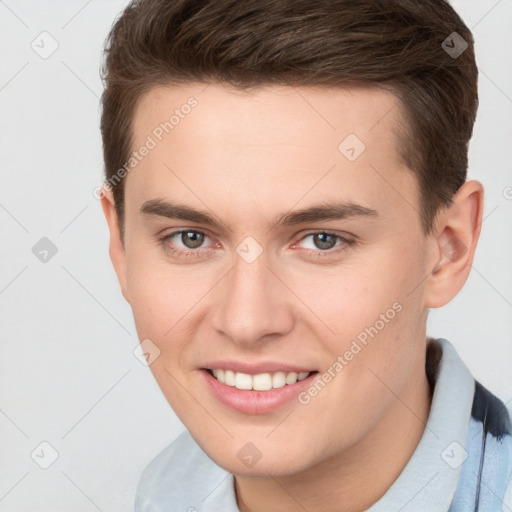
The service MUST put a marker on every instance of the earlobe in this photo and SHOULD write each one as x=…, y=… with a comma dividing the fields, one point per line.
x=116, y=245
x=457, y=232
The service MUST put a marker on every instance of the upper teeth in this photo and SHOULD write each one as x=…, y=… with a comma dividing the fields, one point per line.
x=259, y=382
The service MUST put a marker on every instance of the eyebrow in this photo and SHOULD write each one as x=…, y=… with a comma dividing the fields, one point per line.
x=321, y=212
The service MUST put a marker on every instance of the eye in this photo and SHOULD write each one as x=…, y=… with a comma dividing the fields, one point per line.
x=190, y=239
x=324, y=243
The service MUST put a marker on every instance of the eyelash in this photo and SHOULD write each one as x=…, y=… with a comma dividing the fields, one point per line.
x=345, y=244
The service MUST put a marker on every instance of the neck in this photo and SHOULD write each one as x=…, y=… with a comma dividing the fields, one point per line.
x=355, y=479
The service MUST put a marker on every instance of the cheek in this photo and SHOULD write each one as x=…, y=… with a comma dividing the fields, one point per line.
x=167, y=302
x=157, y=301
x=344, y=302
x=163, y=304
x=158, y=290
x=375, y=315
x=389, y=350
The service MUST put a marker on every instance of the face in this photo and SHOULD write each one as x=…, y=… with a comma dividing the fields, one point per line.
x=304, y=271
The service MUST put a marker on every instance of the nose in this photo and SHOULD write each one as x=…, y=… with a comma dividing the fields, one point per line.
x=252, y=304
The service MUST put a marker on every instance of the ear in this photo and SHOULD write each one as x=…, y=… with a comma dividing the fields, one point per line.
x=455, y=236
x=116, y=246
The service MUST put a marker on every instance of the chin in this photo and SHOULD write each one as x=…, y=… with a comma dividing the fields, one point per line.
x=266, y=460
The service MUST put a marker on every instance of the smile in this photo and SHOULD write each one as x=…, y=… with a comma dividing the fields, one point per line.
x=255, y=393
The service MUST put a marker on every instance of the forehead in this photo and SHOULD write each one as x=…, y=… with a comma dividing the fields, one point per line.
x=258, y=111
x=273, y=143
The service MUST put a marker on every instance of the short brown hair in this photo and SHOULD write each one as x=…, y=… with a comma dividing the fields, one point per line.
x=396, y=44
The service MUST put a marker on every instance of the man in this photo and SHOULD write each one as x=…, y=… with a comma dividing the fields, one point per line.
x=286, y=196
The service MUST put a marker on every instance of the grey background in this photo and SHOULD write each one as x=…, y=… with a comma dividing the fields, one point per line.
x=68, y=375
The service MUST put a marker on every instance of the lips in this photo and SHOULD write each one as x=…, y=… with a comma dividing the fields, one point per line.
x=255, y=389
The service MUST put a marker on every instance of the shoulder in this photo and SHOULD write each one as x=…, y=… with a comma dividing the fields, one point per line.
x=179, y=476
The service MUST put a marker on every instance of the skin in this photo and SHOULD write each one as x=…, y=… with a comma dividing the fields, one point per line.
x=247, y=158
